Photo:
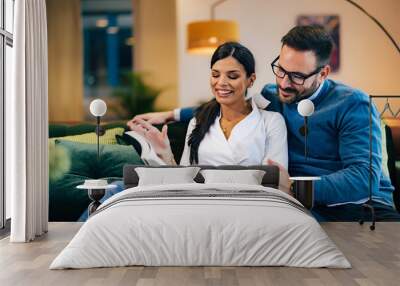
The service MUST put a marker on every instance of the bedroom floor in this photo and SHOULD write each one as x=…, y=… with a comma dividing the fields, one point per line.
x=375, y=257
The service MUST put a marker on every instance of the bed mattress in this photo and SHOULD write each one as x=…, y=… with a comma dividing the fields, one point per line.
x=201, y=225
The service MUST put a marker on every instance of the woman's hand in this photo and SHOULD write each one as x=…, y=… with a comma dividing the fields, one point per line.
x=284, y=181
x=152, y=118
x=158, y=140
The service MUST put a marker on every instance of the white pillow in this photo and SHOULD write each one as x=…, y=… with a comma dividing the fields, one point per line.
x=164, y=176
x=248, y=177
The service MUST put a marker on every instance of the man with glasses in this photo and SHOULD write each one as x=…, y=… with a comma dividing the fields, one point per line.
x=338, y=131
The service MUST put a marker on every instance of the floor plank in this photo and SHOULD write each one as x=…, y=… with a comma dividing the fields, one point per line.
x=374, y=255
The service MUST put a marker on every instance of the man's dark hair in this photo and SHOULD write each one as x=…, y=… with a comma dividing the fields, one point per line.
x=310, y=38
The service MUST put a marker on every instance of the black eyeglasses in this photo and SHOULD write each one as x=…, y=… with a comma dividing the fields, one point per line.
x=295, y=77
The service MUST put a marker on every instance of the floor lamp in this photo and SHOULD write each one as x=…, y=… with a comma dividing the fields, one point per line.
x=98, y=108
x=205, y=36
x=368, y=205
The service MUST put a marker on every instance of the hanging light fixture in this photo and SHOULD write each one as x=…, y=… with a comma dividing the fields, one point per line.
x=205, y=36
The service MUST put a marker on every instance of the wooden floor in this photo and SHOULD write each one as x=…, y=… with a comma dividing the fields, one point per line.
x=375, y=257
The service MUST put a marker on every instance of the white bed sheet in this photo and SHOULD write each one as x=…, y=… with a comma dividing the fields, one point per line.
x=189, y=231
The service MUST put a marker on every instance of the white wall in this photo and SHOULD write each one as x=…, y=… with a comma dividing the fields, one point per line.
x=369, y=61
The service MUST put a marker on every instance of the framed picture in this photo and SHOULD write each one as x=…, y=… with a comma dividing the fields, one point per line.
x=332, y=25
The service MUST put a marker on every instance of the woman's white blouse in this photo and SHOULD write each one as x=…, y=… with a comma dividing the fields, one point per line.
x=260, y=136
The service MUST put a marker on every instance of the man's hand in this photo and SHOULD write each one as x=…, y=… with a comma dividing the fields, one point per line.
x=284, y=181
x=152, y=118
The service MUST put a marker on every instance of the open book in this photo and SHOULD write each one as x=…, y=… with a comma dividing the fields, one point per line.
x=148, y=154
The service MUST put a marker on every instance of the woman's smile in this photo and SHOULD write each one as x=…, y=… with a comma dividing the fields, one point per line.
x=223, y=92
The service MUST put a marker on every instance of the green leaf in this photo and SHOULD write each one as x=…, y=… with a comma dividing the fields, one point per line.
x=135, y=95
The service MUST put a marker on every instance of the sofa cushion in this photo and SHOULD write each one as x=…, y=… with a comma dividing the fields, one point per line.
x=112, y=159
x=66, y=203
x=59, y=165
x=91, y=137
x=61, y=130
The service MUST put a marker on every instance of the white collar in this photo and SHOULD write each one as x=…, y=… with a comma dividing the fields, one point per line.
x=257, y=102
x=317, y=92
x=260, y=101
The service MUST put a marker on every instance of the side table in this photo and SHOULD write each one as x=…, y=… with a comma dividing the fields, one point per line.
x=95, y=194
x=303, y=188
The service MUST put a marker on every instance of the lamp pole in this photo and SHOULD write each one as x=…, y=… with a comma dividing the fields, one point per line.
x=98, y=137
x=213, y=6
x=368, y=204
x=376, y=22
x=98, y=108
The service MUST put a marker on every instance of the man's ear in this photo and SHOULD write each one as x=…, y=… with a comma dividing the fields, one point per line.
x=325, y=71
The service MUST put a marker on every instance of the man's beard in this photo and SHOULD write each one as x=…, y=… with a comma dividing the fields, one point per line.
x=297, y=96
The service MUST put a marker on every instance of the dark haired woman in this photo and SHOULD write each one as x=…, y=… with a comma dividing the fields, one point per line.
x=229, y=129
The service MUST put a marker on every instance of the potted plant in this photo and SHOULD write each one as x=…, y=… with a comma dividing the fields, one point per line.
x=135, y=96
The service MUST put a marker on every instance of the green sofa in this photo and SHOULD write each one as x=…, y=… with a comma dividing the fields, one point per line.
x=392, y=128
x=66, y=202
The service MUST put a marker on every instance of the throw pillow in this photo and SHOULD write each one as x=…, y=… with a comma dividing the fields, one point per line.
x=66, y=202
x=59, y=165
x=248, y=177
x=84, y=160
x=91, y=138
x=163, y=176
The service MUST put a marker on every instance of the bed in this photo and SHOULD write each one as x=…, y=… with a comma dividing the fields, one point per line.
x=201, y=224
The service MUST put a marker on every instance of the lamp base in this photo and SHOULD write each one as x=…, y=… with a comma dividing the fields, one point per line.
x=368, y=206
x=95, y=195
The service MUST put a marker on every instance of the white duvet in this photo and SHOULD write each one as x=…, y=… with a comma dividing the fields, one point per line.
x=245, y=225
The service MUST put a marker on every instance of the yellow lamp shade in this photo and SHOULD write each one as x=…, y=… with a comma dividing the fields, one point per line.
x=205, y=36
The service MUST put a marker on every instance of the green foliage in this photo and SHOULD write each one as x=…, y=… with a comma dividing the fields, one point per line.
x=59, y=161
x=135, y=95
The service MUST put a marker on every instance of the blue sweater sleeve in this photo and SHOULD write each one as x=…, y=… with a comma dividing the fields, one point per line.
x=269, y=91
x=186, y=114
x=352, y=182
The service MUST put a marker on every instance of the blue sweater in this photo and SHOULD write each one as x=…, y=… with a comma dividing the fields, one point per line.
x=338, y=144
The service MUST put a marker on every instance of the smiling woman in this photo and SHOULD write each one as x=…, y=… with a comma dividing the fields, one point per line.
x=229, y=82
x=231, y=128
